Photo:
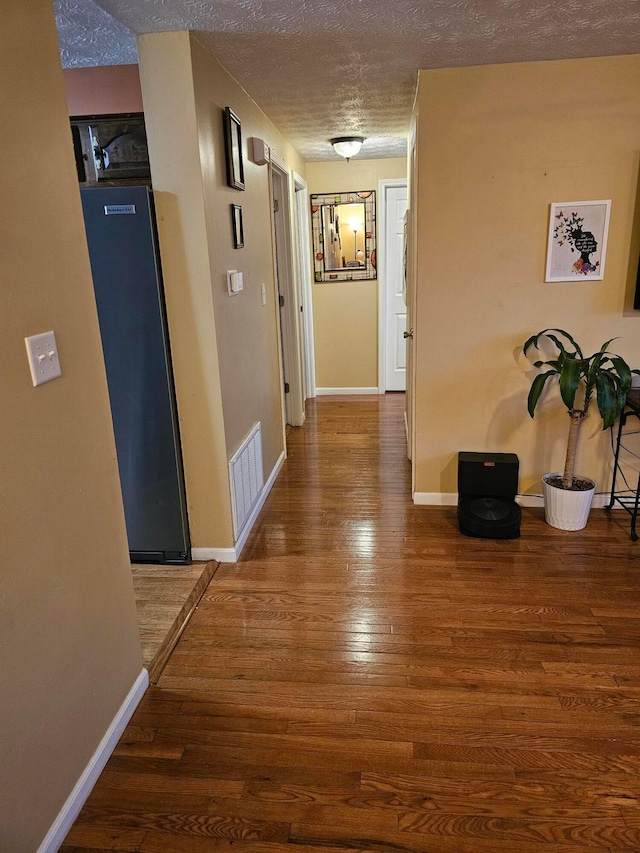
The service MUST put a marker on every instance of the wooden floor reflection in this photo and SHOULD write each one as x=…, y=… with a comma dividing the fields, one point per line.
x=367, y=679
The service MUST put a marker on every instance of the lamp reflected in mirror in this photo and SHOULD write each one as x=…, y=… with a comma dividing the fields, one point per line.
x=355, y=223
x=339, y=221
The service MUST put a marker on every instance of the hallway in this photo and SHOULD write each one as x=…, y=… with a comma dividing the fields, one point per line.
x=367, y=679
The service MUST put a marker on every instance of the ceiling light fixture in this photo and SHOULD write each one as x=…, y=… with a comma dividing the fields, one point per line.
x=347, y=146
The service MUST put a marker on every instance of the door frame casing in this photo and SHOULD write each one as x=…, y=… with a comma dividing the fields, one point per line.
x=304, y=271
x=383, y=185
x=287, y=284
x=412, y=298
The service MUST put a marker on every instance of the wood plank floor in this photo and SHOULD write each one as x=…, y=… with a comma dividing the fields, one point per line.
x=367, y=679
x=166, y=597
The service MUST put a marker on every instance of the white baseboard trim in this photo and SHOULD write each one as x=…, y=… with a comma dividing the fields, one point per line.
x=344, y=391
x=435, y=498
x=451, y=499
x=221, y=555
x=83, y=787
x=231, y=555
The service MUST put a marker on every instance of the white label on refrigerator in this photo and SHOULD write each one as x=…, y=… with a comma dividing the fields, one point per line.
x=110, y=209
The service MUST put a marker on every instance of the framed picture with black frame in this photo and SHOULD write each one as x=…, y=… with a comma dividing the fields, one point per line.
x=238, y=228
x=233, y=145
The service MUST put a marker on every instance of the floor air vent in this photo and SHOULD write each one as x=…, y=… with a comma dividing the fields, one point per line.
x=247, y=478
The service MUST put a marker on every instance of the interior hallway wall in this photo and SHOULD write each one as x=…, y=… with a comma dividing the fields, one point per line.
x=497, y=144
x=247, y=331
x=68, y=633
x=345, y=313
x=225, y=348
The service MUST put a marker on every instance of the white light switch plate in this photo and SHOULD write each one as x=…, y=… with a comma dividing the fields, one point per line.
x=235, y=282
x=42, y=353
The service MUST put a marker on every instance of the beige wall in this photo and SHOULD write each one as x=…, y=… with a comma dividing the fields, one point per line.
x=497, y=145
x=104, y=89
x=345, y=314
x=68, y=635
x=247, y=331
x=225, y=349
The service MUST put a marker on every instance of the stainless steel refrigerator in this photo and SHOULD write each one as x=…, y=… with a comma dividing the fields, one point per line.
x=127, y=279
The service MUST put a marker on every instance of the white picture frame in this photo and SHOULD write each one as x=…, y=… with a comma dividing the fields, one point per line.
x=577, y=241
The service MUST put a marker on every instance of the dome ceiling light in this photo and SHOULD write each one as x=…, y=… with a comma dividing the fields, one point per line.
x=347, y=146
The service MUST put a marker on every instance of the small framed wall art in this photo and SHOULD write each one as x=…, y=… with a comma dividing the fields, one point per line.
x=233, y=145
x=577, y=242
x=238, y=228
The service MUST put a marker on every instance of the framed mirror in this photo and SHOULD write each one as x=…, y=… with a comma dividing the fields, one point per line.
x=343, y=226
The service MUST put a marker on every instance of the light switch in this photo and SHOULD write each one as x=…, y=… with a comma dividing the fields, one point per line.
x=234, y=282
x=263, y=290
x=42, y=353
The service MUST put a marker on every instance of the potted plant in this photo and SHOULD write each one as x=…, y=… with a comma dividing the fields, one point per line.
x=567, y=497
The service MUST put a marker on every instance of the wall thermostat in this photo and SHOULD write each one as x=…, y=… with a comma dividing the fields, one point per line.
x=261, y=153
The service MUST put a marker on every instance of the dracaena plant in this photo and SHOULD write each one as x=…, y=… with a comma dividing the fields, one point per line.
x=604, y=374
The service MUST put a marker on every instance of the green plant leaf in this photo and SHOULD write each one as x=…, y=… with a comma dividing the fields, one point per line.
x=563, y=350
x=568, y=337
x=536, y=389
x=623, y=370
x=530, y=342
x=607, y=397
x=605, y=346
x=570, y=376
x=534, y=339
x=556, y=364
x=624, y=383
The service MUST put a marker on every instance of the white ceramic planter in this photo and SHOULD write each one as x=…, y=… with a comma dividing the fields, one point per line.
x=564, y=509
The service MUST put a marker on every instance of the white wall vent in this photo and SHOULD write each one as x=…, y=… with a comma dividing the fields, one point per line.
x=247, y=478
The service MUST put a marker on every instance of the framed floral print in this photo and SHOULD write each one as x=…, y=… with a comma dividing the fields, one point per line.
x=577, y=241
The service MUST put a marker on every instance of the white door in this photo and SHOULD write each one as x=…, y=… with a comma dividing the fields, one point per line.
x=395, y=366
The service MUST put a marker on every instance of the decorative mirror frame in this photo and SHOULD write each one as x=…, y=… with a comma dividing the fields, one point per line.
x=368, y=271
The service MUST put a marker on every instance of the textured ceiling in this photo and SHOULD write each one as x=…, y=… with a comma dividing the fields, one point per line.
x=323, y=68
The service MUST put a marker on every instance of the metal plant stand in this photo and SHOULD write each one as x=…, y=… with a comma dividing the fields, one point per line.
x=629, y=503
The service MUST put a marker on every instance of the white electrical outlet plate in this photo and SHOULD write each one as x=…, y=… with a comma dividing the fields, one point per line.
x=42, y=353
